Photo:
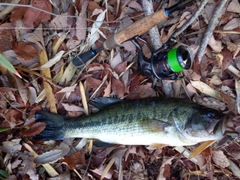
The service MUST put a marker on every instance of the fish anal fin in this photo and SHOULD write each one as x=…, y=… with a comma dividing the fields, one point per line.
x=156, y=145
x=101, y=144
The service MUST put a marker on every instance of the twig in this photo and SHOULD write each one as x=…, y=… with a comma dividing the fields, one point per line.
x=212, y=24
x=191, y=20
x=56, y=15
x=153, y=33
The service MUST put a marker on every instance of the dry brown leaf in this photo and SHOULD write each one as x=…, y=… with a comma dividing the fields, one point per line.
x=26, y=53
x=107, y=90
x=60, y=22
x=84, y=98
x=234, y=6
x=135, y=5
x=18, y=12
x=234, y=23
x=81, y=24
x=93, y=83
x=12, y=146
x=215, y=45
x=116, y=60
x=50, y=156
x=6, y=37
x=142, y=91
x=47, y=86
x=33, y=17
x=53, y=61
x=206, y=89
x=32, y=95
x=118, y=88
x=75, y=159
x=198, y=150
x=68, y=89
x=99, y=171
x=47, y=166
x=71, y=107
x=36, y=37
x=23, y=91
x=220, y=159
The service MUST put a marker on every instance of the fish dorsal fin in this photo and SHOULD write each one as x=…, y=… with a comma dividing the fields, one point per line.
x=102, y=102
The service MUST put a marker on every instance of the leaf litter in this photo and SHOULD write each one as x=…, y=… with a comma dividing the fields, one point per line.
x=46, y=35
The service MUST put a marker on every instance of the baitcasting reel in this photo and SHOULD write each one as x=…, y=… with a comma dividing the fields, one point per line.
x=164, y=63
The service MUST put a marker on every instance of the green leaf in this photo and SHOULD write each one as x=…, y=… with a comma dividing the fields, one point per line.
x=5, y=63
x=3, y=129
x=3, y=174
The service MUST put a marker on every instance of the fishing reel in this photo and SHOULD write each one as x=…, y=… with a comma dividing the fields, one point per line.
x=164, y=63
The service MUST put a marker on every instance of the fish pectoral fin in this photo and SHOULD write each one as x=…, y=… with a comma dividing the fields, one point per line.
x=102, y=102
x=156, y=126
x=101, y=144
x=155, y=146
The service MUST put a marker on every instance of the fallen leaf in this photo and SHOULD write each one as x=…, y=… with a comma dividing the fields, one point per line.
x=50, y=156
x=32, y=17
x=47, y=87
x=26, y=53
x=93, y=36
x=32, y=95
x=115, y=61
x=220, y=159
x=23, y=91
x=68, y=89
x=81, y=24
x=53, y=61
x=5, y=63
x=118, y=87
x=142, y=91
x=206, y=89
x=36, y=37
x=198, y=150
x=234, y=23
x=19, y=11
x=6, y=37
x=75, y=159
x=71, y=107
x=59, y=22
x=100, y=170
x=215, y=45
x=234, y=6
x=12, y=146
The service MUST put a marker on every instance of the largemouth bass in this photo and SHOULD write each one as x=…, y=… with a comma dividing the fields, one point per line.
x=173, y=122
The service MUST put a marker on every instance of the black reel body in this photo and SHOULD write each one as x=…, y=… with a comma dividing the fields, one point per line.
x=165, y=63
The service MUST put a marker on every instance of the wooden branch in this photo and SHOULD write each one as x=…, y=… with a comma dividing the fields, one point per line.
x=211, y=26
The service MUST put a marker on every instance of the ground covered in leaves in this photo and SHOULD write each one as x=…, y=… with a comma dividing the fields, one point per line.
x=40, y=37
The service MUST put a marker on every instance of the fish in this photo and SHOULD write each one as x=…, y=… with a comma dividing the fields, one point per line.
x=152, y=121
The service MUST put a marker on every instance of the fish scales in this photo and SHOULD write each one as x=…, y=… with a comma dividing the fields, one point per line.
x=175, y=122
x=131, y=117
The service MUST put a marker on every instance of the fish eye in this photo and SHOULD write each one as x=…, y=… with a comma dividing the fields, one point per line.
x=211, y=114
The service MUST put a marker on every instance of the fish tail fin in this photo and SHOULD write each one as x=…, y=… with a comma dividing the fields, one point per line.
x=54, y=126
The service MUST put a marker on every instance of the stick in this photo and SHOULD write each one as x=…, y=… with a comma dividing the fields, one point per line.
x=153, y=33
x=212, y=24
x=191, y=20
